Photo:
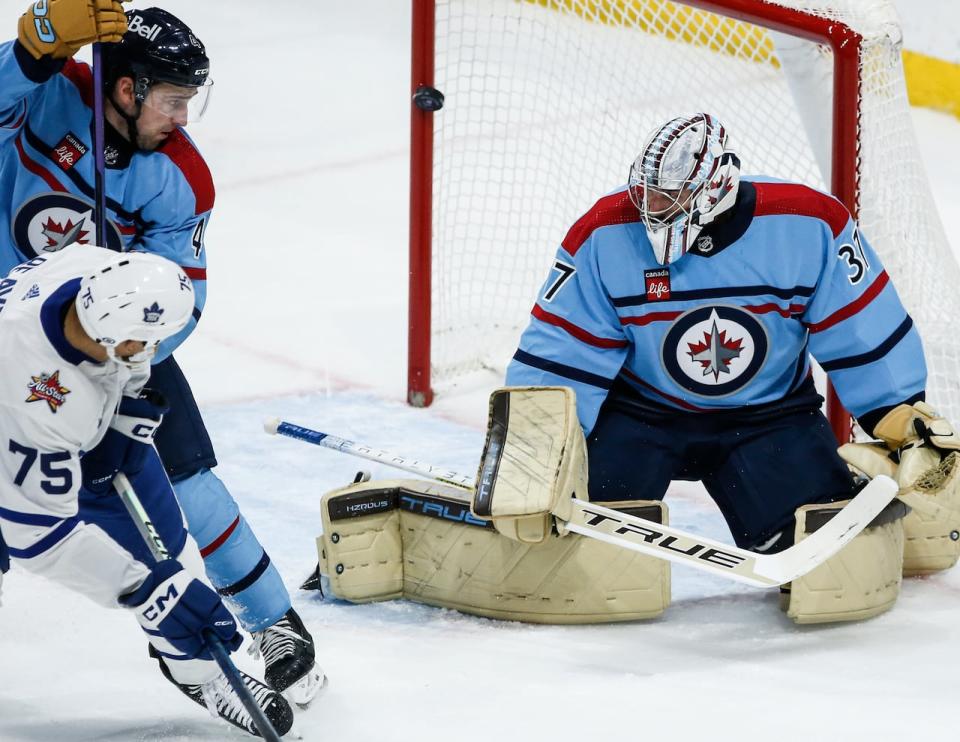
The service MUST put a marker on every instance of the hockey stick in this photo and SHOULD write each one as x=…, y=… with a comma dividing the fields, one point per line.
x=647, y=537
x=152, y=538
x=99, y=195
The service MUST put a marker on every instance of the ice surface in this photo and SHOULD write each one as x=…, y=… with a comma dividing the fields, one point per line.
x=306, y=320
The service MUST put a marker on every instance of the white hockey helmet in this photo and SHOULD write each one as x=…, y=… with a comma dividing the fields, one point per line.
x=135, y=296
x=685, y=176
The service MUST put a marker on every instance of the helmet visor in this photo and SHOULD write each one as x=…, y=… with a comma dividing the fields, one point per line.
x=182, y=104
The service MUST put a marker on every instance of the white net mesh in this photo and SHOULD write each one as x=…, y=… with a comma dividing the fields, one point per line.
x=548, y=101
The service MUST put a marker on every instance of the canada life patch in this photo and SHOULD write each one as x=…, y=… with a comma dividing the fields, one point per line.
x=68, y=152
x=47, y=388
x=658, y=284
x=714, y=351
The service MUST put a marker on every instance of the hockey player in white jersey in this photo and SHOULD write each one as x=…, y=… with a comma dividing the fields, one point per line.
x=77, y=331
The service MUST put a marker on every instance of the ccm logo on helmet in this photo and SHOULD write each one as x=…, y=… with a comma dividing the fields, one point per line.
x=137, y=26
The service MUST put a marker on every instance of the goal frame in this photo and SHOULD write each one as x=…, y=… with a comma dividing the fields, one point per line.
x=846, y=45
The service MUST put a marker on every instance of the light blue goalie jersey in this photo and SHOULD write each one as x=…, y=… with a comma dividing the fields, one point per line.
x=733, y=322
x=156, y=201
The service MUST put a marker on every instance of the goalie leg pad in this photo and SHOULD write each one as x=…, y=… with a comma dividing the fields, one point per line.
x=534, y=460
x=419, y=540
x=932, y=528
x=861, y=580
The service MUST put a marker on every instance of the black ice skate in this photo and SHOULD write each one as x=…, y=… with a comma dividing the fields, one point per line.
x=288, y=656
x=221, y=700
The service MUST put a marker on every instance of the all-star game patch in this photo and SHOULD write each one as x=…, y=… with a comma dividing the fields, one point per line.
x=47, y=388
x=714, y=350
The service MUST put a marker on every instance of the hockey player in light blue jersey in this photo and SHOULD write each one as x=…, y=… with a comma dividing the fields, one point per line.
x=684, y=308
x=159, y=196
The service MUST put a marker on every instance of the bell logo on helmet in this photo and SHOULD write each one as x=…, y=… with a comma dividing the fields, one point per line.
x=152, y=313
x=137, y=26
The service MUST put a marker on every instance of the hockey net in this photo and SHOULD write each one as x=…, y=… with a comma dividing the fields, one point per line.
x=547, y=103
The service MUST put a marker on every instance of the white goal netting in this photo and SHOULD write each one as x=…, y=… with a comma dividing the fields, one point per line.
x=548, y=102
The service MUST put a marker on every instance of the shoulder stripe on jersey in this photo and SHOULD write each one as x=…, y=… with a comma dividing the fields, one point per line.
x=578, y=332
x=47, y=542
x=613, y=209
x=36, y=168
x=873, y=355
x=82, y=77
x=792, y=198
x=646, y=319
x=676, y=400
x=717, y=293
x=9, y=123
x=194, y=274
x=561, y=369
x=853, y=307
x=191, y=163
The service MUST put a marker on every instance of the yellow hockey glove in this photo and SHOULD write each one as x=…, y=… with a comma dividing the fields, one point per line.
x=58, y=28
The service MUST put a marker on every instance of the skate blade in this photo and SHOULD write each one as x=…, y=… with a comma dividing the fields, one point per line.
x=306, y=689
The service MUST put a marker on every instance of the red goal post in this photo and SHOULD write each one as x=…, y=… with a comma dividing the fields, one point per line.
x=475, y=68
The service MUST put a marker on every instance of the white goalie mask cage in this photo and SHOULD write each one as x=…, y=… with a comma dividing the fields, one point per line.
x=684, y=177
x=135, y=296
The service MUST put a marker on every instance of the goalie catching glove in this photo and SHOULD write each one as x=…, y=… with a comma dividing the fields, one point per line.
x=59, y=28
x=919, y=449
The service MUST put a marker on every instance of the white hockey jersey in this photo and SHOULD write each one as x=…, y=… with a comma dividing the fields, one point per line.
x=55, y=404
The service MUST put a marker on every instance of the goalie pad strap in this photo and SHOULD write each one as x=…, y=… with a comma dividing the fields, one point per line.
x=419, y=540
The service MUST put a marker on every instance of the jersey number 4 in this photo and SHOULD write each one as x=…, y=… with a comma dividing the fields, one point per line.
x=58, y=481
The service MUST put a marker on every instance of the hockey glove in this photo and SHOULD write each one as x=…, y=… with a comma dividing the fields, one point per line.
x=178, y=607
x=127, y=442
x=915, y=439
x=58, y=28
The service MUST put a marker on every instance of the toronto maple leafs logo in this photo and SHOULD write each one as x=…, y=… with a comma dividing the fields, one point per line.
x=47, y=388
x=151, y=314
x=714, y=350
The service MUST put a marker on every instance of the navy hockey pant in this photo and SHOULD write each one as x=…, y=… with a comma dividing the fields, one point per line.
x=236, y=563
x=758, y=473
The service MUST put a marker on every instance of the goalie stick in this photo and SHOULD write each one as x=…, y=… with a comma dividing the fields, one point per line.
x=152, y=538
x=647, y=537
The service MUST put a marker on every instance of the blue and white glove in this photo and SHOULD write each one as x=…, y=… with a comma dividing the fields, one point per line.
x=178, y=607
x=127, y=442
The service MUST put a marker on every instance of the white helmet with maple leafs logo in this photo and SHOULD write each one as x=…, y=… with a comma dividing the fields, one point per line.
x=684, y=178
x=135, y=296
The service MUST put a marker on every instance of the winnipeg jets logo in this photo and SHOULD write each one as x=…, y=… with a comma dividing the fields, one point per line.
x=47, y=388
x=58, y=235
x=714, y=350
x=715, y=353
x=151, y=314
x=48, y=222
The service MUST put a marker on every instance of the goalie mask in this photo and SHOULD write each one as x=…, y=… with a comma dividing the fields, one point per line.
x=136, y=296
x=684, y=178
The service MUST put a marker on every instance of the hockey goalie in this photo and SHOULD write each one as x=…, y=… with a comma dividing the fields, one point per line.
x=673, y=341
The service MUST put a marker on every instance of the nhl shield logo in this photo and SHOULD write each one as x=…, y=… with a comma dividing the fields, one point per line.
x=714, y=351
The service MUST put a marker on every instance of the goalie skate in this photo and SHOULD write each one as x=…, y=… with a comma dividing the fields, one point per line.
x=289, y=659
x=222, y=701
